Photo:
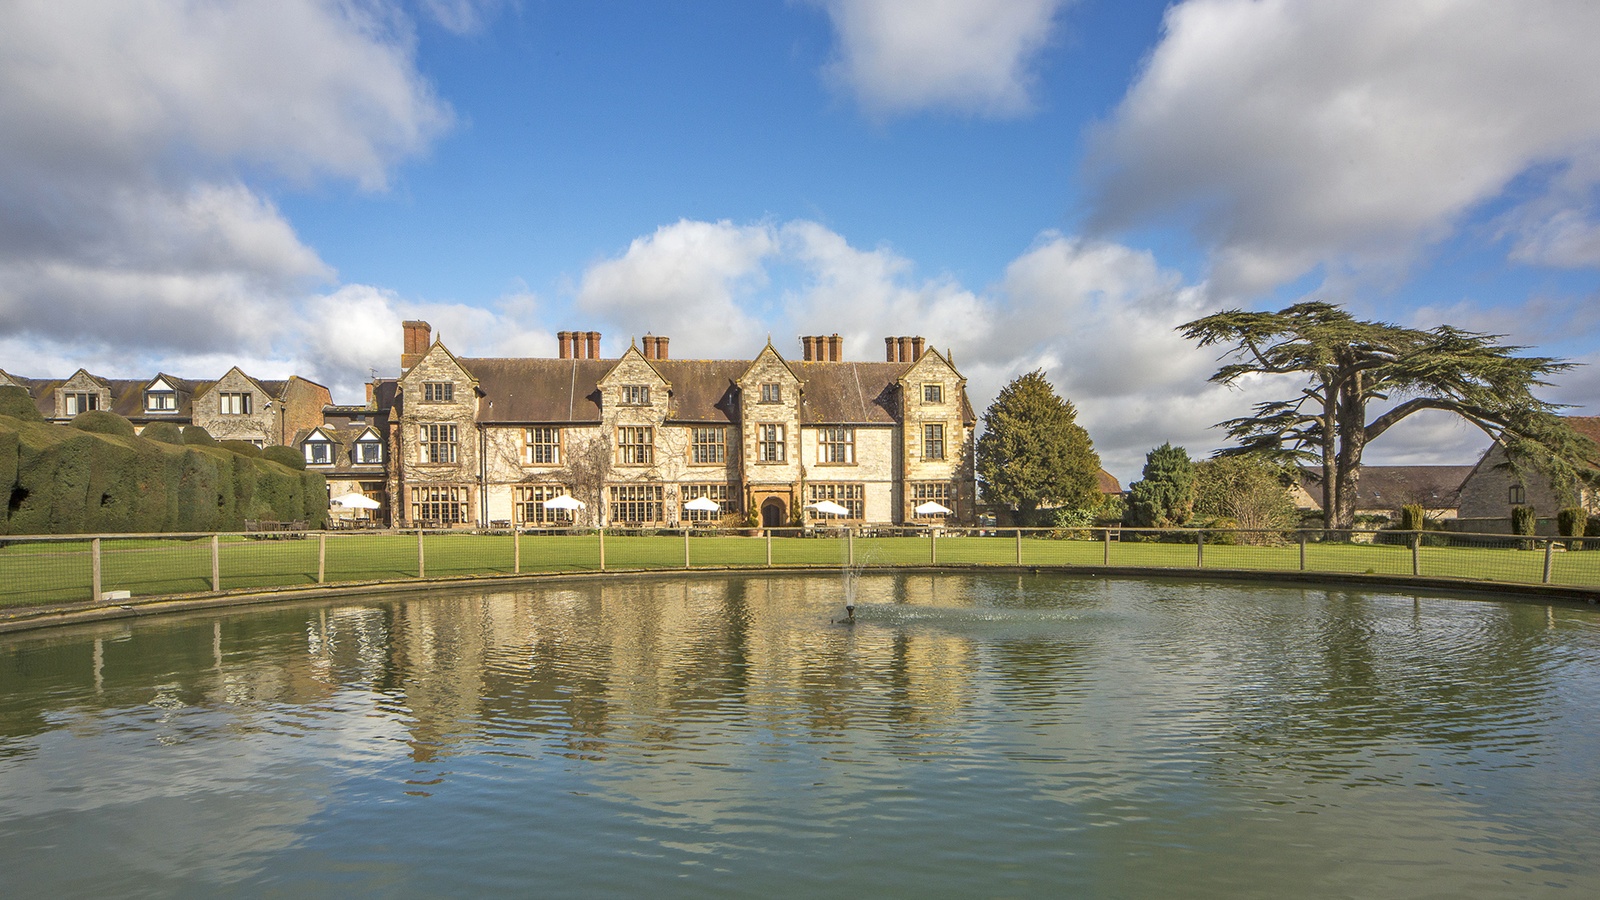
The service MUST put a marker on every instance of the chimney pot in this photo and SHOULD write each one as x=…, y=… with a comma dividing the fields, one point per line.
x=593, y=341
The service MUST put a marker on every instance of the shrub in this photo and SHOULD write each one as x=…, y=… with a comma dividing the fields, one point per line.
x=15, y=402
x=285, y=456
x=1073, y=524
x=1572, y=521
x=99, y=421
x=1412, y=517
x=1524, y=520
x=243, y=448
x=197, y=436
x=165, y=432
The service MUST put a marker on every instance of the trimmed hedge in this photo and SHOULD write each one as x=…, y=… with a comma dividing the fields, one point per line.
x=165, y=432
x=99, y=421
x=16, y=403
x=285, y=456
x=197, y=436
x=1572, y=521
x=1524, y=520
x=60, y=480
x=243, y=448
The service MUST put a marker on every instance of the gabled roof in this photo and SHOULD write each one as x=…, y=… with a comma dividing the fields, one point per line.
x=536, y=390
x=849, y=393
x=1391, y=487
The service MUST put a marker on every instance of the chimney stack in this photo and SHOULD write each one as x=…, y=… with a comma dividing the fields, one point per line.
x=661, y=347
x=835, y=348
x=891, y=349
x=905, y=350
x=593, y=341
x=649, y=346
x=916, y=348
x=418, y=337
x=565, y=339
x=810, y=344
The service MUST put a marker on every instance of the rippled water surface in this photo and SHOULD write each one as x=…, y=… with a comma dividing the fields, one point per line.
x=971, y=735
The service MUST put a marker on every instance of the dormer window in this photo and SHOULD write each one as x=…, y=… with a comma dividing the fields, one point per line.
x=319, y=451
x=772, y=393
x=159, y=397
x=369, y=453
x=81, y=402
x=636, y=395
x=438, y=392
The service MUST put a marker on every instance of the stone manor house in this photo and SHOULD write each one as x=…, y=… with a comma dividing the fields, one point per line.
x=488, y=441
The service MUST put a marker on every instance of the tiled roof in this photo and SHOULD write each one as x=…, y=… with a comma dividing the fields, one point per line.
x=1391, y=487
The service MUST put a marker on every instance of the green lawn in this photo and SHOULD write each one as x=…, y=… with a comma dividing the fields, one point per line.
x=60, y=571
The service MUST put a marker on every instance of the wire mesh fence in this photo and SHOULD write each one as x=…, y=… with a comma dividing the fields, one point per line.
x=65, y=569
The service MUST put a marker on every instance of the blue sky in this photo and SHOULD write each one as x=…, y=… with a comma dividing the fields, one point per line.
x=1028, y=183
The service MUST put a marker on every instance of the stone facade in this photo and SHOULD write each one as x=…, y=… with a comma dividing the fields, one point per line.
x=637, y=437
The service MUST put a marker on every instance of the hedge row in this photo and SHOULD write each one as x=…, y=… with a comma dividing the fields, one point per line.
x=63, y=480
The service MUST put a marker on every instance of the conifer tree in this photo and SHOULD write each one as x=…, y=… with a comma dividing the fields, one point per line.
x=1033, y=453
x=1164, y=497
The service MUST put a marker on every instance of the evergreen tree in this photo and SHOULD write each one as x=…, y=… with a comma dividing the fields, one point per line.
x=1033, y=453
x=1253, y=491
x=1165, y=496
x=1348, y=364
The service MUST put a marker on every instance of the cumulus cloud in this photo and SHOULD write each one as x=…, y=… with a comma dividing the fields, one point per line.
x=128, y=134
x=1352, y=135
x=971, y=56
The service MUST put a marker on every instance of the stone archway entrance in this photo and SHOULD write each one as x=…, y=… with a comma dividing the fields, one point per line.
x=773, y=513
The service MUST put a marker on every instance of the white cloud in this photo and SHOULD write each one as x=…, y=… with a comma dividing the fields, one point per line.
x=462, y=16
x=684, y=281
x=1353, y=134
x=128, y=131
x=971, y=56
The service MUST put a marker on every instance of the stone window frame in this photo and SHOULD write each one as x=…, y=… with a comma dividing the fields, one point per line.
x=938, y=491
x=851, y=495
x=1518, y=495
x=527, y=507
x=636, y=445
x=836, y=445
x=533, y=441
x=720, y=491
x=443, y=503
x=933, y=393
x=714, y=451
x=75, y=403
x=772, y=445
x=644, y=499
x=933, y=438
x=438, y=392
x=771, y=392
x=634, y=395
x=434, y=441
x=235, y=403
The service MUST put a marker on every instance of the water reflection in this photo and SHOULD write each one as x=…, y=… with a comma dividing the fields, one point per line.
x=723, y=728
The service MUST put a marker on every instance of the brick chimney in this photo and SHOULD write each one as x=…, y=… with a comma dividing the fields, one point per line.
x=661, y=347
x=891, y=349
x=648, y=346
x=809, y=345
x=916, y=348
x=592, y=340
x=565, y=339
x=835, y=348
x=418, y=338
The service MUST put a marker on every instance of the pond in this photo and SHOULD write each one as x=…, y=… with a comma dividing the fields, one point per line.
x=973, y=734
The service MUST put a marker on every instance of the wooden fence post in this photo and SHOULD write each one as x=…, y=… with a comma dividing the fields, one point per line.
x=1416, y=553
x=322, y=557
x=602, y=533
x=422, y=560
x=850, y=545
x=216, y=564
x=94, y=566
x=1107, y=536
x=1549, y=547
x=1019, y=546
x=516, y=551
x=768, y=533
x=686, y=548
x=933, y=547
x=1200, y=549
x=1302, y=551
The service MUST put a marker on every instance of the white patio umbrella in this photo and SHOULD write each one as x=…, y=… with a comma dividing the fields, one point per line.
x=702, y=504
x=354, y=501
x=829, y=507
x=933, y=508
x=563, y=502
